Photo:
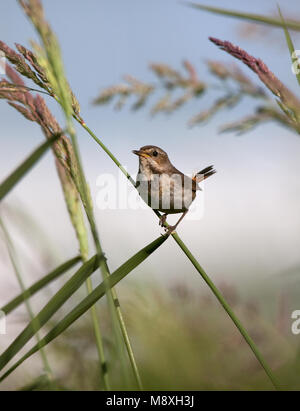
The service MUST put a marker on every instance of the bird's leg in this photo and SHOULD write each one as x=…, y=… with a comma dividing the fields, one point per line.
x=172, y=228
x=162, y=219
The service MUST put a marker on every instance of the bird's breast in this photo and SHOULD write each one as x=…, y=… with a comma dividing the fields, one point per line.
x=167, y=193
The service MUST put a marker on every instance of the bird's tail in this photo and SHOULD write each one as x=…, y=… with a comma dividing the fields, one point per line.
x=204, y=174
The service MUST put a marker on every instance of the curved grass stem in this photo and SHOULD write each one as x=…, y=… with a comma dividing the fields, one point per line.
x=197, y=266
x=227, y=308
x=113, y=302
x=82, y=188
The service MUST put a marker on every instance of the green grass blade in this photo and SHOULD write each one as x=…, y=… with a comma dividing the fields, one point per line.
x=257, y=18
x=53, y=275
x=16, y=268
x=16, y=175
x=50, y=58
x=228, y=309
x=91, y=299
x=289, y=43
x=50, y=308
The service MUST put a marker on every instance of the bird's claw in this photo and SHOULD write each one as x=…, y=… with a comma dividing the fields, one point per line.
x=162, y=220
x=170, y=230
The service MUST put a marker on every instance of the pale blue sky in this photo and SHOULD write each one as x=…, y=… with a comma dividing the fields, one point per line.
x=251, y=220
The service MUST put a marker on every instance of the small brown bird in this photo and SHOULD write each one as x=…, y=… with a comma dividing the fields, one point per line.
x=163, y=187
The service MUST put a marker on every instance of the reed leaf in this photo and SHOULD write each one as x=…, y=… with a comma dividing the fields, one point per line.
x=37, y=286
x=253, y=17
x=9, y=183
x=15, y=264
x=82, y=307
x=50, y=309
x=49, y=58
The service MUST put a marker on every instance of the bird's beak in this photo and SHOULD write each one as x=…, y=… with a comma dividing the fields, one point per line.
x=140, y=153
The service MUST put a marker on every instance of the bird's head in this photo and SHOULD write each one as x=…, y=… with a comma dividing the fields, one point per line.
x=154, y=158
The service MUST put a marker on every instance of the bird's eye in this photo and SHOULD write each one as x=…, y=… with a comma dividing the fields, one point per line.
x=155, y=153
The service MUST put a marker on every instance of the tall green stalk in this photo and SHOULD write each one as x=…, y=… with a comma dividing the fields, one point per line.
x=50, y=60
x=81, y=186
x=12, y=256
x=113, y=301
x=99, y=341
x=198, y=267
